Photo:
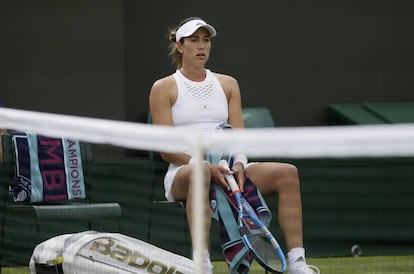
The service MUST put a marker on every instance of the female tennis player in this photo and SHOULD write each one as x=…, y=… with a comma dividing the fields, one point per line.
x=194, y=97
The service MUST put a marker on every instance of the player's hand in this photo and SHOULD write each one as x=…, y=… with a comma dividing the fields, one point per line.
x=217, y=174
x=238, y=173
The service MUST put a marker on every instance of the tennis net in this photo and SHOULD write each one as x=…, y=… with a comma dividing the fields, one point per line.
x=129, y=175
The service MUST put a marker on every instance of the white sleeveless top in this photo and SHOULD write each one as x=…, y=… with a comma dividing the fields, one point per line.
x=202, y=105
x=199, y=105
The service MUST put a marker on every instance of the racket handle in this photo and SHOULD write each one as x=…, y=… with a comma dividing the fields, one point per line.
x=229, y=178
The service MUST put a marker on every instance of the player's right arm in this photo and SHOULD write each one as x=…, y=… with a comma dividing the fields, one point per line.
x=162, y=97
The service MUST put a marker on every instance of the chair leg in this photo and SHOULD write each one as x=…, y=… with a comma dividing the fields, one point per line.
x=186, y=233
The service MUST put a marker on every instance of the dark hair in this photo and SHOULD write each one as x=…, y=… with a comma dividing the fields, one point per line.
x=176, y=56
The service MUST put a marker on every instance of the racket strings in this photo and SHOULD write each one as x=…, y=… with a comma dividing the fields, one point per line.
x=264, y=250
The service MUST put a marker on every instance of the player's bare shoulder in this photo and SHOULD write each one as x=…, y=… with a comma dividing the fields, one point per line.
x=229, y=83
x=225, y=78
x=165, y=83
x=164, y=87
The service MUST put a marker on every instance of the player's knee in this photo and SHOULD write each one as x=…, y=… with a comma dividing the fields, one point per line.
x=292, y=171
x=291, y=176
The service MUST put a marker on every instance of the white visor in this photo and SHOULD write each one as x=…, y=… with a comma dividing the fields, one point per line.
x=191, y=26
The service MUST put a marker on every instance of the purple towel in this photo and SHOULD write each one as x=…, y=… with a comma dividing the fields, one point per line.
x=47, y=169
x=224, y=211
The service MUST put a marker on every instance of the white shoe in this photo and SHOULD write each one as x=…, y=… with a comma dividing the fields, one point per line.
x=304, y=269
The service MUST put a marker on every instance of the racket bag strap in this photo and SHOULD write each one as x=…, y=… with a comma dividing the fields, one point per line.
x=49, y=268
x=235, y=252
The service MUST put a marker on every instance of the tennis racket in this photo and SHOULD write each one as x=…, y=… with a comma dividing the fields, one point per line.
x=256, y=236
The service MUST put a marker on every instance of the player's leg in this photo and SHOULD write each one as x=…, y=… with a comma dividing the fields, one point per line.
x=182, y=190
x=281, y=178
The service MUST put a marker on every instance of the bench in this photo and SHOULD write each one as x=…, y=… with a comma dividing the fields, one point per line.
x=25, y=224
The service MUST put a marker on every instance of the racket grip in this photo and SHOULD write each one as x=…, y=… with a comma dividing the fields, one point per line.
x=229, y=178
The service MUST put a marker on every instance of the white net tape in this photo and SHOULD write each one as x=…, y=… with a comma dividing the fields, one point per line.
x=299, y=142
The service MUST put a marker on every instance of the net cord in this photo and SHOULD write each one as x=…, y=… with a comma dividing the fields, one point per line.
x=284, y=142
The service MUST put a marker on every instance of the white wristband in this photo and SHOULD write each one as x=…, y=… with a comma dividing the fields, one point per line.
x=240, y=158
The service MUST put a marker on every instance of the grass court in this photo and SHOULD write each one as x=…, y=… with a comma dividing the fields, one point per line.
x=334, y=265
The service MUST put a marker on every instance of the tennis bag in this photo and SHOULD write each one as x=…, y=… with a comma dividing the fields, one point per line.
x=104, y=253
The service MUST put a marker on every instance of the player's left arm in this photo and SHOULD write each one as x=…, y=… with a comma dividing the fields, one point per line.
x=232, y=91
